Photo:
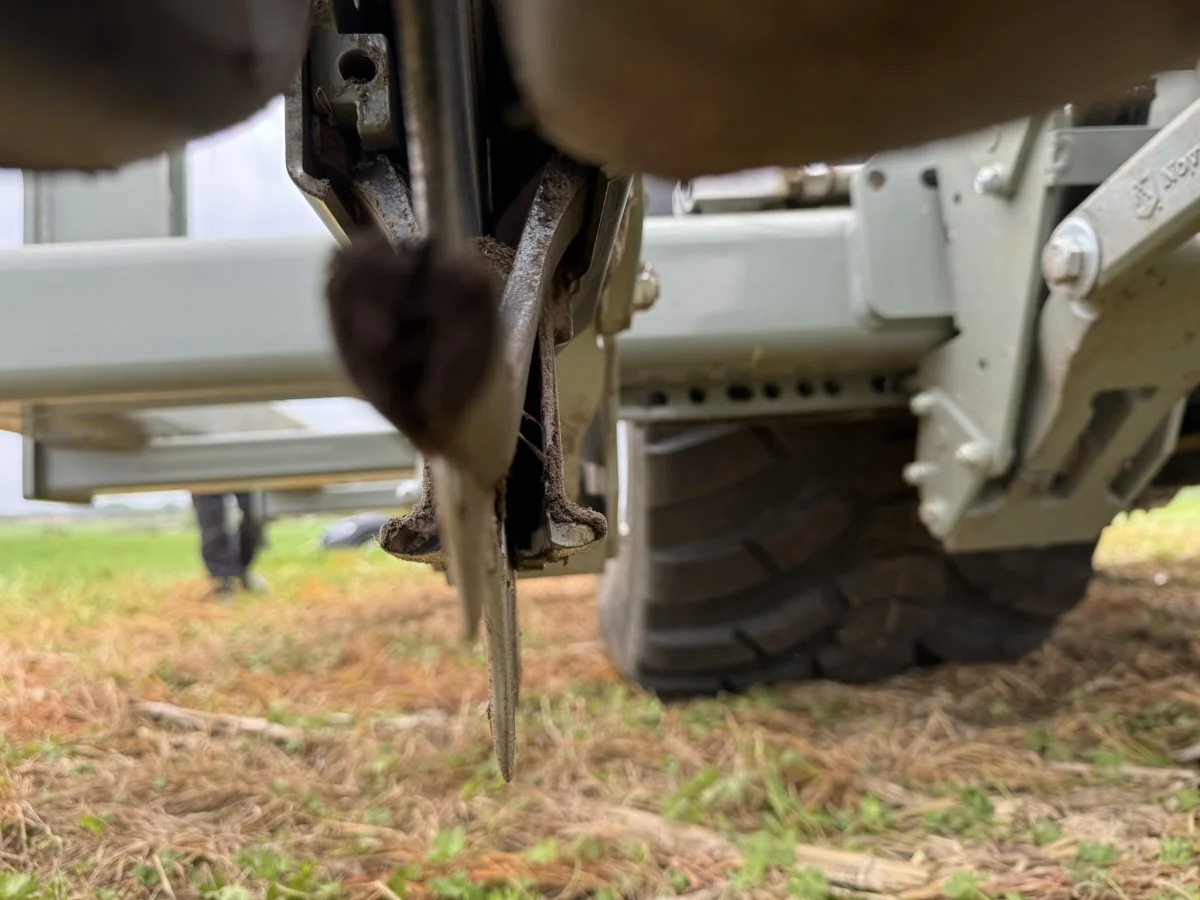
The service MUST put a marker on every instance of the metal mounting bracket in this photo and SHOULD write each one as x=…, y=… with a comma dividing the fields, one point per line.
x=1114, y=353
x=997, y=209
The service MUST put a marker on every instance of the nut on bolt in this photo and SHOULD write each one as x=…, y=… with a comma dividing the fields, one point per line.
x=647, y=288
x=1063, y=260
x=1071, y=259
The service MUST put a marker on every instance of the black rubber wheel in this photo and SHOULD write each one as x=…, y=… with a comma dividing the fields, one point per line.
x=780, y=550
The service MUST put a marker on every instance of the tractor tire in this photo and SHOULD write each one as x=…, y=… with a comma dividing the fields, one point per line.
x=781, y=550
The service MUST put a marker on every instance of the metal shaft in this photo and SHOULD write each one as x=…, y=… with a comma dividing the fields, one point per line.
x=439, y=107
x=439, y=116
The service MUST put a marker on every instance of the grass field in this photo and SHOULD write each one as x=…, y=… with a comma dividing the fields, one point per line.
x=360, y=765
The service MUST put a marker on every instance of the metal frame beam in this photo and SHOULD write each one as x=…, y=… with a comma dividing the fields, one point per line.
x=145, y=199
x=761, y=295
x=134, y=320
x=754, y=295
x=341, y=498
x=748, y=295
x=761, y=313
x=129, y=428
x=207, y=463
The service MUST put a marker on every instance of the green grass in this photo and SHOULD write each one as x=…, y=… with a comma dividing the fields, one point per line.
x=1171, y=533
x=92, y=572
x=999, y=762
x=98, y=553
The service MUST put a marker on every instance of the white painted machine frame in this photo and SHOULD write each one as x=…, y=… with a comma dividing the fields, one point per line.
x=109, y=318
x=764, y=311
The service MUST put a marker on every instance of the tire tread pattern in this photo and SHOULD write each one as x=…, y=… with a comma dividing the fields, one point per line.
x=784, y=550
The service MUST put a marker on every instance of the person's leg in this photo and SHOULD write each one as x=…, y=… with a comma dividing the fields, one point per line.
x=216, y=545
x=250, y=541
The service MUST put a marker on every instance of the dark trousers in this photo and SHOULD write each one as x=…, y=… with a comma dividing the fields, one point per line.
x=227, y=555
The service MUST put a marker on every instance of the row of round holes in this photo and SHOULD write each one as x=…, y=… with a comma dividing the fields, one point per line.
x=740, y=393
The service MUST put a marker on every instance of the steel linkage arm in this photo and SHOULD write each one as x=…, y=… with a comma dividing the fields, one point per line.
x=1149, y=205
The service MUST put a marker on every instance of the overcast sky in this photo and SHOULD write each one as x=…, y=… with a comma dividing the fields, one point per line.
x=237, y=188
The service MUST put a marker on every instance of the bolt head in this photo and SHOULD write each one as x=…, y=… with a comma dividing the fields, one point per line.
x=975, y=454
x=989, y=180
x=922, y=404
x=1063, y=261
x=932, y=514
x=917, y=473
x=647, y=289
